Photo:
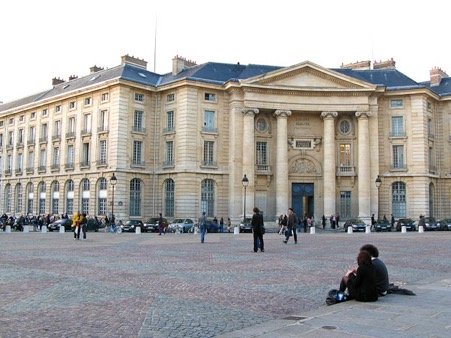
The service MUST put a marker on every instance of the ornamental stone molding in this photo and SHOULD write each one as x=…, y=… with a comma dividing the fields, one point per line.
x=329, y=114
x=363, y=114
x=250, y=111
x=282, y=113
x=304, y=166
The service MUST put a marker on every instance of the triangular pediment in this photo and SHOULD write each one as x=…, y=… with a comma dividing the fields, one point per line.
x=307, y=75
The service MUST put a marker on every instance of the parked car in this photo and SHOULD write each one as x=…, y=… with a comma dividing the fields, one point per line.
x=407, y=222
x=382, y=225
x=131, y=225
x=444, y=224
x=55, y=226
x=356, y=223
x=245, y=225
x=151, y=225
x=181, y=224
x=430, y=224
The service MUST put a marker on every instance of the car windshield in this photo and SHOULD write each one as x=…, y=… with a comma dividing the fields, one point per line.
x=247, y=220
x=178, y=220
x=152, y=220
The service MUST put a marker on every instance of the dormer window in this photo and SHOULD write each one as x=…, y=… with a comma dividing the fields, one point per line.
x=72, y=105
x=88, y=101
x=45, y=112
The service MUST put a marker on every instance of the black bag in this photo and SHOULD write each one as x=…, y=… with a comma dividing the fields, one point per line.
x=335, y=296
x=288, y=233
x=263, y=230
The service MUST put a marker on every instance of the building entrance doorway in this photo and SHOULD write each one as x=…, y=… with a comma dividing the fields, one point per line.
x=302, y=196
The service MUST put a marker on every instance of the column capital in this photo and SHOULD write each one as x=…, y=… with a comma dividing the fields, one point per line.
x=329, y=114
x=282, y=113
x=250, y=111
x=363, y=114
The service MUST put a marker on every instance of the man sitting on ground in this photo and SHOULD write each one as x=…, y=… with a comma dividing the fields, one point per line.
x=381, y=270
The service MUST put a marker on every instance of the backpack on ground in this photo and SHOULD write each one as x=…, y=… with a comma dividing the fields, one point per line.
x=335, y=296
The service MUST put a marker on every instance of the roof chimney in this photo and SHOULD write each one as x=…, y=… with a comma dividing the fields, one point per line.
x=73, y=77
x=358, y=65
x=387, y=64
x=437, y=74
x=95, y=69
x=56, y=81
x=180, y=63
x=131, y=60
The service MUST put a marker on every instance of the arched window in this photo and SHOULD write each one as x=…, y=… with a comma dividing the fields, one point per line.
x=55, y=197
x=85, y=196
x=399, y=199
x=7, y=201
x=19, y=198
x=208, y=197
x=41, y=189
x=102, y=196
x=135, y=197
x=70, y=197
x=169, y=197
x=431, y=200
x=30, y=197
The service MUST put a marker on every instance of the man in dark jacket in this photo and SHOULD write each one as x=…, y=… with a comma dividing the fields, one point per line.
x=258, y=230
x=382, y=281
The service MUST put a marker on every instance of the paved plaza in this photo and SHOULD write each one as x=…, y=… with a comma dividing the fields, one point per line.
x=145, y=285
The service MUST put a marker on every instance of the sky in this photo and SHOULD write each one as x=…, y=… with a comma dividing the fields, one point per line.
x=43, y=39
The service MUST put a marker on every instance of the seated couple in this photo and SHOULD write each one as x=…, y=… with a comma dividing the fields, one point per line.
x=369, y=280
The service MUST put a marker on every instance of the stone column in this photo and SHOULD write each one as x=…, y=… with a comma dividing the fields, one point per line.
x=281, y=172
x=364, y=166
x=329, y=163
x=249, y=155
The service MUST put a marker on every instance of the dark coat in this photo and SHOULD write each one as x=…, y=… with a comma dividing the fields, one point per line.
x=257, y=223
x=363, y=285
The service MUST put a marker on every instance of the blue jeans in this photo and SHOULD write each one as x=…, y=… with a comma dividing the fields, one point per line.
x=203, y=231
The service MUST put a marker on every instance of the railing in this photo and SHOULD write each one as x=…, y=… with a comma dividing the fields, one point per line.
x=70, y=134
x=138, y=129
x=69, y=166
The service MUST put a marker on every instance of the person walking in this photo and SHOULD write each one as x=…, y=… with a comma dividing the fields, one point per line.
x=203, y=226
x=83, y=224
x=291, y=225
x=76, y=225
x=161, y=225
x=221, y=225
x=258, y=230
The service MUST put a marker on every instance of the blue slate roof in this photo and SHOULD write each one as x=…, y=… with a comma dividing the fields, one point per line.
x=221, y=73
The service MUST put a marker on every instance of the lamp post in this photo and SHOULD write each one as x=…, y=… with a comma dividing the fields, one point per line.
x=245, y=183
x=113, y=181
x=378, y=185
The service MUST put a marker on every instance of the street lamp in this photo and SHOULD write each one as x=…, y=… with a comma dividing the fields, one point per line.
x=378, y=185
x=113, y=181
x=245, y=182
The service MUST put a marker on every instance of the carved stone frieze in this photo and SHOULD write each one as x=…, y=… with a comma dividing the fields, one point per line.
x=304, y=166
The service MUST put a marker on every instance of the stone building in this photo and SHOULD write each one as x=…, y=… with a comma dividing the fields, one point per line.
x=180, y=143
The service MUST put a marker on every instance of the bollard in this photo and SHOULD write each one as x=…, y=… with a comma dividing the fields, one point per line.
x=421, y=229
x=312, y=230
x=138, y=230
x=403, y=229
x=350, y=230
x=196, y=230
x=25, y=228
x=236, y=230
x=62, y=229
x=368, y=229
x=8, y=229
x=44, y=229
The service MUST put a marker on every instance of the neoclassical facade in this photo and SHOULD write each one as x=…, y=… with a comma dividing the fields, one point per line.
x=305, y=136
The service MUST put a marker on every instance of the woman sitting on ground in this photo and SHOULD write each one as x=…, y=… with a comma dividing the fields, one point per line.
x=361, y=283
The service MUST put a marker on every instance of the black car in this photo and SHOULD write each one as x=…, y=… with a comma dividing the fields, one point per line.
x=429, y=224
x=356, y=223
x=444, y=224
x=382, y=225
x=245, y=225
x=407, y=222
x=131, y=225
x=55, y=226
x=151, y=225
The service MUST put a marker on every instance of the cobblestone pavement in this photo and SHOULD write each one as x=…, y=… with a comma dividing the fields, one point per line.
x=145, y=285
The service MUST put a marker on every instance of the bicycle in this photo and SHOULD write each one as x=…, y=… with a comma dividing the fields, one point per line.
x=114, y=229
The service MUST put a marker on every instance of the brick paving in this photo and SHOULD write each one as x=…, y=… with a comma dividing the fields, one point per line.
x=129, y=285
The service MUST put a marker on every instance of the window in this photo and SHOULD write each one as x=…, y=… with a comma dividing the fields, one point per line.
x=169, y=121
x=10, y=138
x=399, y=199
x=396, y=103
x=209, y=153
x=70, y=155
x=169, y=153
x=85, y=154
x=137, y=152
x=19, y=198
x=56, y=157
x=88, y=101
x=71, y=125
x=87, y=123
x=9, y=163
x=430, y=129
x=102, y=202
x=429, y=106
x=1, y=123
x=345, y=155
x=169, y=194
x=33, y=115
x=85, y=196
x=103, y=120
x=57, y=129
x=19, y=162
x=21, y=118
x=57, y=109
x=138, y=121
x=210, y=97
x=135, y=197
x=30, y=160
x=207, y=197
x=170, y=97
x=20, y=137
x=42, y=158
x=262, y=155
x=209, y=121
x=32, y=135
x=345, y=127
x=398, y=157
x=139, y=97
x=397, y=126
x=11, y=121
x=345, y=204
x=44, y=132
x=105, y=97
x=72, y=105
x=1, y=140
x=70, y=197
x=8, y=198
x=55, y=197
x=45, y=112
x=102, y=152
x=41, y=190
x=30, y=196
